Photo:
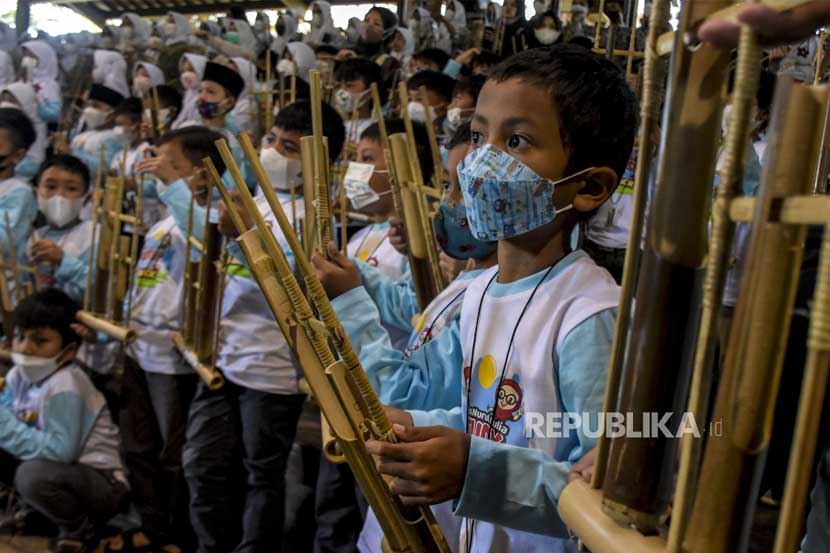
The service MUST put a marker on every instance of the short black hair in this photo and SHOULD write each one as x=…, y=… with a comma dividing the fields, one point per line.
x=435, y=81
x=582, y=42
x=297, y=117
x=471, y=85
x=131, y=107
x=197, y=143
x=68, y=163
x=326, y=49
x=419, y=130
x=168, y=96
x=48, y=308
x=433, y=55
x=487, y=58
x=361, y=69
x=462, y=136
x=19, y=126
x=597, y=110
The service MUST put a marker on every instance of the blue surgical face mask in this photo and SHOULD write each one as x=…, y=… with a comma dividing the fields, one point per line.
x=453, y=233
x=505, y=197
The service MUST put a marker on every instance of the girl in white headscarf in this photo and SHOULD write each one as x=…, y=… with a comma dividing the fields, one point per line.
x=262, y=31
x=286, y=28
x=191, y=70
x=146, y=76
x=402, y=47
x=322, y=27
x=22, y=96
x=424, y=29
x=303, y=57
x=242, y=117
x=42, y=63
x=456, y=15
x=110, y=69
x=6, y=68
x=135, y=32
x=239, y=40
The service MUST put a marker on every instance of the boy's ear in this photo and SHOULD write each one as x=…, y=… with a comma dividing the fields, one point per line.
x=599, y=185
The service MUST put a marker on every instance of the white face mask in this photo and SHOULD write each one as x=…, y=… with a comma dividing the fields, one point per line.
x=141, y=85
x=35, y=369
x=60, y=211
x=578, y=12
x=284, y=173
x=456, y=115
x=356, y=185
x=345, y=101
x=94, y=117
x=285, y=67
x=170, y=29
x=28, y=62
x=417, y=112
x=189, y=80
x=546, y=36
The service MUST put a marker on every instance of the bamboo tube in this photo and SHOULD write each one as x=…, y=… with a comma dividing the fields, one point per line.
x=629, y=63
x=728, y=485
x=309, y=234
x=637, y=485
x=321, y=184
x=598, y=24
x=136, y=238
x=820, y=57
x=737, y=144
x=437, y=166
x=113, y=330
x=18, y=284
x=209, y=375
x=653, y=78
x=800, y=466
x=189, y=280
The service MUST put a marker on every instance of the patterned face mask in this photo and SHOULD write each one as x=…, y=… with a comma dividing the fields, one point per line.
x=505, y=197
x=452, y=231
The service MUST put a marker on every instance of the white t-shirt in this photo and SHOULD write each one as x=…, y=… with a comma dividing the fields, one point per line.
x=574, y=290
x=157, y=303
x=252, y=349
x=610, y=225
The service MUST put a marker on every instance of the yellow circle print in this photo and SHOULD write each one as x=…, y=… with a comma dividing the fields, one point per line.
x=487, y=371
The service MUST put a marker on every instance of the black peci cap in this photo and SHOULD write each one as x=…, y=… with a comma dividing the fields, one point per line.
x=225, y=76
x=105, y=94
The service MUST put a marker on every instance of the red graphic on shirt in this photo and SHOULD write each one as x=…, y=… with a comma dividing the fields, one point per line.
x=509, y=401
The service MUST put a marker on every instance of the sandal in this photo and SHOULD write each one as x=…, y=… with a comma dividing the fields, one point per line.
x=128, y=543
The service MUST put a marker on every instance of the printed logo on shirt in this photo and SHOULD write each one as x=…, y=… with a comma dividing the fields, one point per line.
x=504, y=410
x=236, y=268
x=152, y=262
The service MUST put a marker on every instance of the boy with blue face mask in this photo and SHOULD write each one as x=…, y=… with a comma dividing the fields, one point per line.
x=552, y=132
x=56, y=432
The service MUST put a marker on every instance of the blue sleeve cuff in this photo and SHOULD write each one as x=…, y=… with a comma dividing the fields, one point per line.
x=453, y=68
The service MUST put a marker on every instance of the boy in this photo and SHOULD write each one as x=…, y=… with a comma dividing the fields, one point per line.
x=127, y=116
x=226, y=435
x=429, y=59
x=16, y=199
x=55, y=427
x=61, y=247
x=158, y=384
x=463, y=104
x=439, y=93
x=218, y=91
x=96, y=130
x=536, y=330
x=354, y=78
x=425, y=375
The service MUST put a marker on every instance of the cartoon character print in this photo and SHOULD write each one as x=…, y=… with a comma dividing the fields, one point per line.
x=149, y=271
x=508, y=401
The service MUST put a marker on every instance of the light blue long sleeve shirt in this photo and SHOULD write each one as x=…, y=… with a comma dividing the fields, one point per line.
x=49, y=111
x=530, y=481
x=17, y=201
x=429, y=377
x=395, y=299
x=111, y=149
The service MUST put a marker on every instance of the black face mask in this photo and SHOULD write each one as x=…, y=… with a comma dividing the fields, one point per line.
x=614, y=17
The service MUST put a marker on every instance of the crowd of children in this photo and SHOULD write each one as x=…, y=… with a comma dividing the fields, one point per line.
x=535, y=137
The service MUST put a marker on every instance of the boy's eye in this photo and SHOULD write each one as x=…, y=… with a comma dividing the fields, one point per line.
x=515, y=142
